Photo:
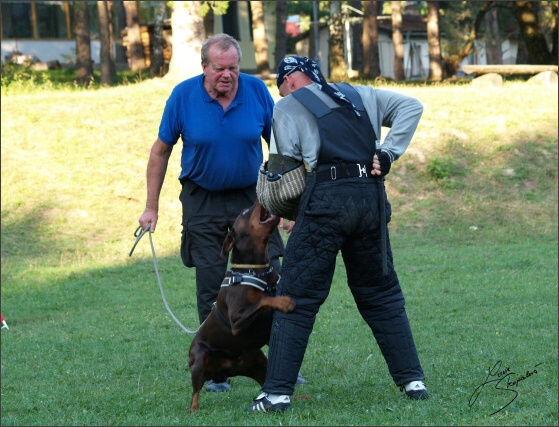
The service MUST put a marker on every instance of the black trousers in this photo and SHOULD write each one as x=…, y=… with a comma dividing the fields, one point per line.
x=341, y=215
x=207, y=217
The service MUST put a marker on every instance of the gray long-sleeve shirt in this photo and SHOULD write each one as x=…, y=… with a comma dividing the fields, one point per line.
x=296, y=134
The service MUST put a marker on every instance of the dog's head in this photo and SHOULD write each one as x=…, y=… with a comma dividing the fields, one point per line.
x=248, y=238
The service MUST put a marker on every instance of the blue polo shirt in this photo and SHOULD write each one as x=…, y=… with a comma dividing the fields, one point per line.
x=221, y=150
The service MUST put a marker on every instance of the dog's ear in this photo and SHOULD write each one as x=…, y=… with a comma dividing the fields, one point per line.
x=228, y=243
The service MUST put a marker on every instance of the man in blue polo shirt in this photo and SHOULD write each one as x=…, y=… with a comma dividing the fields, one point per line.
x=220, y=116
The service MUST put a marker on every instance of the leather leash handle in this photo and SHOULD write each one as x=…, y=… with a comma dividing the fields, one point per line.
x=382, y=208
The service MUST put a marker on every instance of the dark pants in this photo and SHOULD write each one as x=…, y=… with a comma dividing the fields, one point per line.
x=341, y=215
x=207, y=217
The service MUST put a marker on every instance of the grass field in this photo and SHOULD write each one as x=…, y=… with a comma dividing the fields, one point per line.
x=474, y=236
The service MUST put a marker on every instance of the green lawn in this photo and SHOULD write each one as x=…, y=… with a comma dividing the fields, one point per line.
x=474, y=235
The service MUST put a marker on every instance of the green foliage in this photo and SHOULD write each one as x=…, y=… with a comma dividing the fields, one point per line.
x=20, y=79
x=218, y=7
x=442, y=167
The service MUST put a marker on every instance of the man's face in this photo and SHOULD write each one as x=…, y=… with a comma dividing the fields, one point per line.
x=222, y=72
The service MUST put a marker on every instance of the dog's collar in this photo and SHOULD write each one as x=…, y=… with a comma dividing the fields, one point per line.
x=249, y=265
x=250, y=278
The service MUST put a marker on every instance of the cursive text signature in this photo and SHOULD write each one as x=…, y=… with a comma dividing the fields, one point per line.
x=504, y=380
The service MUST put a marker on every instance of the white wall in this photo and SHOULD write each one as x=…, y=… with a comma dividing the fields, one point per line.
x=48, y=50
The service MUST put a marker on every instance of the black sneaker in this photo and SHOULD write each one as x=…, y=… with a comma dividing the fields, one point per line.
x=225, y=386
x=263, y=404
x=415, y=390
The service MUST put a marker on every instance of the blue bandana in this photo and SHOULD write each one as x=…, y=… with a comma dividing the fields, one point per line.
x=310, y=68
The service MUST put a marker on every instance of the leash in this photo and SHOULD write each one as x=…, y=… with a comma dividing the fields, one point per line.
x=382, y=208
x=138, y=235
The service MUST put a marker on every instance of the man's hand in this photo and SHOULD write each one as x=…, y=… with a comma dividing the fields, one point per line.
x=149, y=216
x=286, y=225
x=381, y=164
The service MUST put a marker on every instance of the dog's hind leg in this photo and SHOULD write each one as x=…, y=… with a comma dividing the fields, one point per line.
x=197, y=377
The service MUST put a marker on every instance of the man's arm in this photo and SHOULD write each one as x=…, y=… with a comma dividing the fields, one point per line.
x=155, y=175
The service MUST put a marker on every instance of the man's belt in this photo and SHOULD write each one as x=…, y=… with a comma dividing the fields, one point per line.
x=343, y=170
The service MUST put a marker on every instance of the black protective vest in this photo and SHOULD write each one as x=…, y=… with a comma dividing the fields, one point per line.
x=344, y=137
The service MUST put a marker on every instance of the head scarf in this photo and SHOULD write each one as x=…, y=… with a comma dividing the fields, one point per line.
x=310, y=68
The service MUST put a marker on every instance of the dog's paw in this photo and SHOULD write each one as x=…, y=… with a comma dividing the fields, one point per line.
x=285, y=304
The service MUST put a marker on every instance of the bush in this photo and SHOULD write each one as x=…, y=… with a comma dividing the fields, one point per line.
x=442, y=167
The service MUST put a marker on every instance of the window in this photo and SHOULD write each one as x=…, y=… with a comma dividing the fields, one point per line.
x=51, y=20
x=230, y=21
x=16, y=19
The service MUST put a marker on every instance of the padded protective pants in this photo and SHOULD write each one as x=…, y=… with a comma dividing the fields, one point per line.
x=207, y=217
x=341, y=215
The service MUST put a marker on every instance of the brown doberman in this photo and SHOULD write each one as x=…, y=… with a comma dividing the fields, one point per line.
x=229, y=342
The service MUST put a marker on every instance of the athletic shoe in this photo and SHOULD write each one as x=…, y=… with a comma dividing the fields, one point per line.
x=263, y=403
x=415, y=390
x=225, y=386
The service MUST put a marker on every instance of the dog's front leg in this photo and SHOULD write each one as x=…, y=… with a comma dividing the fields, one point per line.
x=242, y=317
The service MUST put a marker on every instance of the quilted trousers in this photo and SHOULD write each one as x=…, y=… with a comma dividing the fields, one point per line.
x=341, y=215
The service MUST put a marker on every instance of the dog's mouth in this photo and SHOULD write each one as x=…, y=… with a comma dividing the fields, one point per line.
x=267, y=217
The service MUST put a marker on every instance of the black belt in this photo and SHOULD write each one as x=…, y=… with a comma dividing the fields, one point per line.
x=343, y=170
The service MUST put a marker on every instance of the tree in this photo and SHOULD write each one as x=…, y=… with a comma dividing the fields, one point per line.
x=84, y=65
x=433, y=42
x=338, y=67
x=281, y=35
x=371, y=61
x=259, y=38
x=398, y=41
x=137, y=59
x=536, y=45
x=156, y=66
x=107, y=63
x=459, y=16
x=188, y=37
x=120, y=53
x=357, y=38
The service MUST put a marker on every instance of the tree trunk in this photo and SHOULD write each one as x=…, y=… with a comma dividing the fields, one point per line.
x=120, y=53
x=338, y=67
x=188, y=37
x=156, y=66
x=371, y=61
x=452, y=64
x=357, y=36
x=433, y=41
x=209, y=19
x=281, y=35
x=398, y=41
x=84, y=65
x=494, y=52
x=536, y=45
x=554, y=33
x=259, y=38
x=112, y=39
x=105, y=38
x=137, y=59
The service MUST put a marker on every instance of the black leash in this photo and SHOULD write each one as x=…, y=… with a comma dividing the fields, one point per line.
x=382, y=207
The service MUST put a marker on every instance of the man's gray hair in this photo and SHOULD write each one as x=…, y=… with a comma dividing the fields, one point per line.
x=223, y=42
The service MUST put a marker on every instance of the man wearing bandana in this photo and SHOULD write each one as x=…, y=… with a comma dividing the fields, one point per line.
x=335, y=130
